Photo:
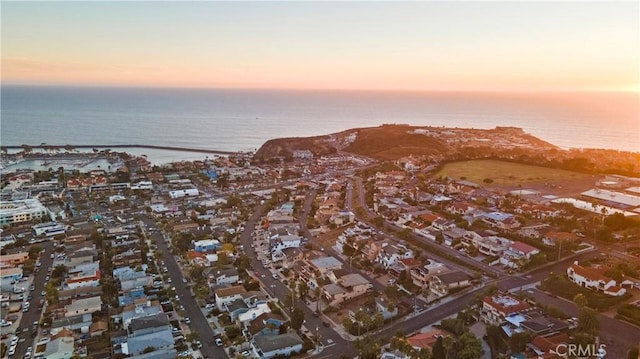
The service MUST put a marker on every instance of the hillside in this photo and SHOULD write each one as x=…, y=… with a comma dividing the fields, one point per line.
x=390, y=142
x=284, y=147
x=393, y=142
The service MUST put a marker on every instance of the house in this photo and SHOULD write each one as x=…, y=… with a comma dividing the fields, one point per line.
x=552, y=238
x=348, y=287
x=460, y=208
x=190, y=192
x=442, y=224
x=13, y=259
x=497, y=307
x=390, y=254
x=385, y=308
x=441, y=284
x=269, y=346
x=266, y=324
x=83, y=306
x=544, y=345
x=83, y=255
x=253, y=313
x=491, y=245
x=139, y=309
x=426, y=340
x=517, y=254
x=500, y=220
x=80, y=323
x=291, y=256
x=226, y=276
x=420, y=276
x=11, y=274
x=204, y=246
x=154, y=331
x=83, y=275
x=325, y=264
x=227, y=295
x=591, y=278
x=59, y=348
x=281, y=242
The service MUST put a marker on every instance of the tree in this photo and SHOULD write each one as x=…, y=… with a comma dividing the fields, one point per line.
x=438, y=351
x=223, y=260
x=518, y=342
x=243, y=262
x=495, y=340
x=34, y=251
x=297, y=318
x=580, y=300
x=303, y=289
x=368, y=348
x=468, y=347
x=588, y=321
x=447, y=344
x=392, y=293
x=227, y=247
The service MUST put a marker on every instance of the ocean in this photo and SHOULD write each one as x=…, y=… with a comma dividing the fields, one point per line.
x=234, y=120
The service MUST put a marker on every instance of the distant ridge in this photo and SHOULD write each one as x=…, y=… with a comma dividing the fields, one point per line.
x=392, y=141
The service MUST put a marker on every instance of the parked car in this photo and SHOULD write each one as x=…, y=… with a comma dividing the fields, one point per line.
x=5, y=323
x=219, y=342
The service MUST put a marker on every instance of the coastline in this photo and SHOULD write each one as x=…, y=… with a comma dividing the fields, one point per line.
x=169, y=148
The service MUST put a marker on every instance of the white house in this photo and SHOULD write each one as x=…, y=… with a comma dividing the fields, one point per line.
x=190, y=192
x=269, y=346
x=592, y=279
x=228, y=294
x=390, y=254
x=59, y=348
x=83, y=306
x=517, y=254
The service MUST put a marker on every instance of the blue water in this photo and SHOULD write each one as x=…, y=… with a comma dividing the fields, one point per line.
x=245, y=119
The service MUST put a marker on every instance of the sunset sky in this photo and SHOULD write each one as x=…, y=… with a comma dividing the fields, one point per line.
x=452, y=46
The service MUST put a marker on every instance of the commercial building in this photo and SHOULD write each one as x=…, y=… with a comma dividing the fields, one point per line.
x=21, y=211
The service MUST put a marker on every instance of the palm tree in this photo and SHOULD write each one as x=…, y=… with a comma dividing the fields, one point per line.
x=447, y=343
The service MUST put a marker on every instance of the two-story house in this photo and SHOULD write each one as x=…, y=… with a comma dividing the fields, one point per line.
x=593, y=279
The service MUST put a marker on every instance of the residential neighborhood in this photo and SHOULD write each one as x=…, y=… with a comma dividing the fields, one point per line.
x=229, y=258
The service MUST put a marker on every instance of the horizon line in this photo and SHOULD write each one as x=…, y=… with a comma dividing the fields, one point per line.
x=309, y=89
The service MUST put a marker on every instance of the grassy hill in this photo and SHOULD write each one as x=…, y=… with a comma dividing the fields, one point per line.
x=392, y=142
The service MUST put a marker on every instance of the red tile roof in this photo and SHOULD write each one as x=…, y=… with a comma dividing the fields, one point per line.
x=589, y=273
x=426, y=340
x=523, y=247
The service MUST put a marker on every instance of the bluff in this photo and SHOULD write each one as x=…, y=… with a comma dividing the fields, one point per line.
x=390, y=142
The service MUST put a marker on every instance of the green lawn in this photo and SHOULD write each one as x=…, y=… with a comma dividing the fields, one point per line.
x=505, y=173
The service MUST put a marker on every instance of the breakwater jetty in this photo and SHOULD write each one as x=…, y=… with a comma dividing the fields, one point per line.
x=170, y=148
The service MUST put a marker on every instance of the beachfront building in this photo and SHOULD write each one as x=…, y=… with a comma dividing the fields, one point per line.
x=21, y=211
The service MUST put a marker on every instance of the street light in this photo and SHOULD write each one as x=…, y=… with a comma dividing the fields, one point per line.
x=317, y=340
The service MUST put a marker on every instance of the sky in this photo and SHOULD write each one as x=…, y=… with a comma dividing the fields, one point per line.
x=428, y=45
